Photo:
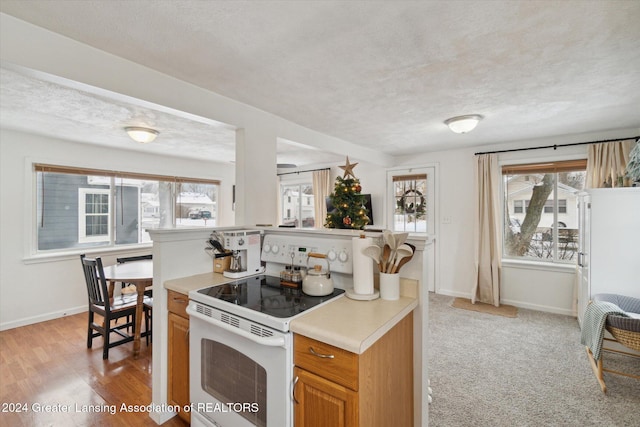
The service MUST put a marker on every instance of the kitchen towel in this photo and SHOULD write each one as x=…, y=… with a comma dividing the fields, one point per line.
x=362, y=267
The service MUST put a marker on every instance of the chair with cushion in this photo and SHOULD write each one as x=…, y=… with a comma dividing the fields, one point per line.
x=148, y=293
x=109, y=308
x=624, y=326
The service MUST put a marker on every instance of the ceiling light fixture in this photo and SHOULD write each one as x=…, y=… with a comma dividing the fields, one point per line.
x=463, y=124
x=140, y=134
x=286, y=166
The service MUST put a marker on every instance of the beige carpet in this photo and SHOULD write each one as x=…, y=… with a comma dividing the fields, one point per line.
x=503, y=310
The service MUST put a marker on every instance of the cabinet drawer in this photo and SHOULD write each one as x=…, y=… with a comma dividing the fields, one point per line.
x=177, y=303
x=327, y=361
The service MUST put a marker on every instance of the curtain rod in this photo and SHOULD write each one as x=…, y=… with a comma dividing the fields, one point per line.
x=555, y=146
x=310, y=170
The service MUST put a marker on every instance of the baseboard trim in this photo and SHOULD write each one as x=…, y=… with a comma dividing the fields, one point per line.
x=536, y=307
x=42, y=318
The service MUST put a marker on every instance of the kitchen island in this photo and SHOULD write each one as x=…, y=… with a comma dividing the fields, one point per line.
x=183, y=266
x=348, y=354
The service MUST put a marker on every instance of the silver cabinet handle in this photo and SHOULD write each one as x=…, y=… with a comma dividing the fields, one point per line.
x=180, y=300
x=324, y=356
x=293, y=390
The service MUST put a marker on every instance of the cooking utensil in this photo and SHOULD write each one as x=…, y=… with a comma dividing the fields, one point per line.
x=402, y=252
x=388, y=238
x=317, y=282
x=400, y=238
x=373, y=252
x=405, y=260
x=386, y=253
x=395, y=241
x=216, y=245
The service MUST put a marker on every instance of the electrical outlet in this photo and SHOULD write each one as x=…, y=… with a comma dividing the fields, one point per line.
x=446, y=220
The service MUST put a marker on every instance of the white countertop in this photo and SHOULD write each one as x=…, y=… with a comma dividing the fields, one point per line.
x=184, y=285
x=344, y=323
x=350, y=324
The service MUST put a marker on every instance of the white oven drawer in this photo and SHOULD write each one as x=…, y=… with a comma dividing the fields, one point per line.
x=240, y=372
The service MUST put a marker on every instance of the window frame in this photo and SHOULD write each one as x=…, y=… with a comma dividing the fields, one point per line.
x=560, y=164
x=431, y=197
x=82, y=215
x=32, y=254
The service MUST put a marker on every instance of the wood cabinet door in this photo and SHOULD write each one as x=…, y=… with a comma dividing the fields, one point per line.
x=322, y=403
x=178, y=368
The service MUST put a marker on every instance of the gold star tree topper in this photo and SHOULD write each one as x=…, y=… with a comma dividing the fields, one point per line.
x=348, y=169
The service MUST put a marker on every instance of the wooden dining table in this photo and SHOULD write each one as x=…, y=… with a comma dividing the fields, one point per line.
x=140, y=274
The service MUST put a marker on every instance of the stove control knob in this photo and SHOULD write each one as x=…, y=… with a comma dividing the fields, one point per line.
x=343, y=256
x=275, y=249
x=266, y=248
x=331, y=255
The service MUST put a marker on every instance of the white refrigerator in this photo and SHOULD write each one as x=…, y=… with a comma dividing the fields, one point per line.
x=609, y=244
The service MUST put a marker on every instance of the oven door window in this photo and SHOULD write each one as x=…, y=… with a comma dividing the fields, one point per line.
x=233, y=378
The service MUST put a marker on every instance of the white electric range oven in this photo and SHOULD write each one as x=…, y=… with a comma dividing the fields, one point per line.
x=241, y=349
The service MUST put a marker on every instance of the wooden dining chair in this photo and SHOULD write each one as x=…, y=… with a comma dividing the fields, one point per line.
x=109, y=308
x=148, y=301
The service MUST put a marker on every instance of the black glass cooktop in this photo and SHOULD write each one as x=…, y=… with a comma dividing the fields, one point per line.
x=265, y=294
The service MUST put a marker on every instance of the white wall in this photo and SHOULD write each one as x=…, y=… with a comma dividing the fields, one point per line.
x=28, y=47
x=548, y=289
x=33, y=288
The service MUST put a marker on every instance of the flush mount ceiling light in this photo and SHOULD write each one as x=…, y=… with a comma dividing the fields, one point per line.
x=140, y=134
x=286, y=166
x=463, y=124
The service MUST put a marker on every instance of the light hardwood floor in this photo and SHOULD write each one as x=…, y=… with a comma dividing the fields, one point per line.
x=49, y=364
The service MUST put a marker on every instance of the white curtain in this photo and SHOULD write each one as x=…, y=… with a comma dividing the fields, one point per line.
x=488, y=231
x=607, y=163
x=321, y=190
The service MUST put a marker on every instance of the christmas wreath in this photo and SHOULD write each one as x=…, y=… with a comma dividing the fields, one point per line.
x=412, y=207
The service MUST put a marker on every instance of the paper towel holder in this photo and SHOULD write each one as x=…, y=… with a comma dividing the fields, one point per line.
x=352, y=294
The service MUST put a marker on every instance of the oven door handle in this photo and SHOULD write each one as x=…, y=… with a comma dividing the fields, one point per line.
x=271, y=342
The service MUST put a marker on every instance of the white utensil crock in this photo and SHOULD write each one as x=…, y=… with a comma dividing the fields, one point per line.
x=389, y=286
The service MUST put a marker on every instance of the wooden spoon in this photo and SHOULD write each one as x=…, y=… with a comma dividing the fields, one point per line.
x=386, y=252
x=401, y=253
x=405, y=260
x=390, y=240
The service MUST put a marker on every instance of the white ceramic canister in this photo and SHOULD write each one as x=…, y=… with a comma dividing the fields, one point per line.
x=389, y=286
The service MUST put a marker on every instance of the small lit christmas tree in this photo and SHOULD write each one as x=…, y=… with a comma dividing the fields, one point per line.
x=348, y=204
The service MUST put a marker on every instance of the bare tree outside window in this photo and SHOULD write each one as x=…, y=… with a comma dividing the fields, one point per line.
x=547, y=228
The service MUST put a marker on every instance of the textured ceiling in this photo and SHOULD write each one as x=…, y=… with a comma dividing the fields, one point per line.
x=381, y=74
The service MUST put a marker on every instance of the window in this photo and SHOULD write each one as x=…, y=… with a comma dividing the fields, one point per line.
x=542, y=200
x=411, y=205
x=411, y=202
x=93, y=217
x=297, y=204
x=518, y=206
x=80, y=208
